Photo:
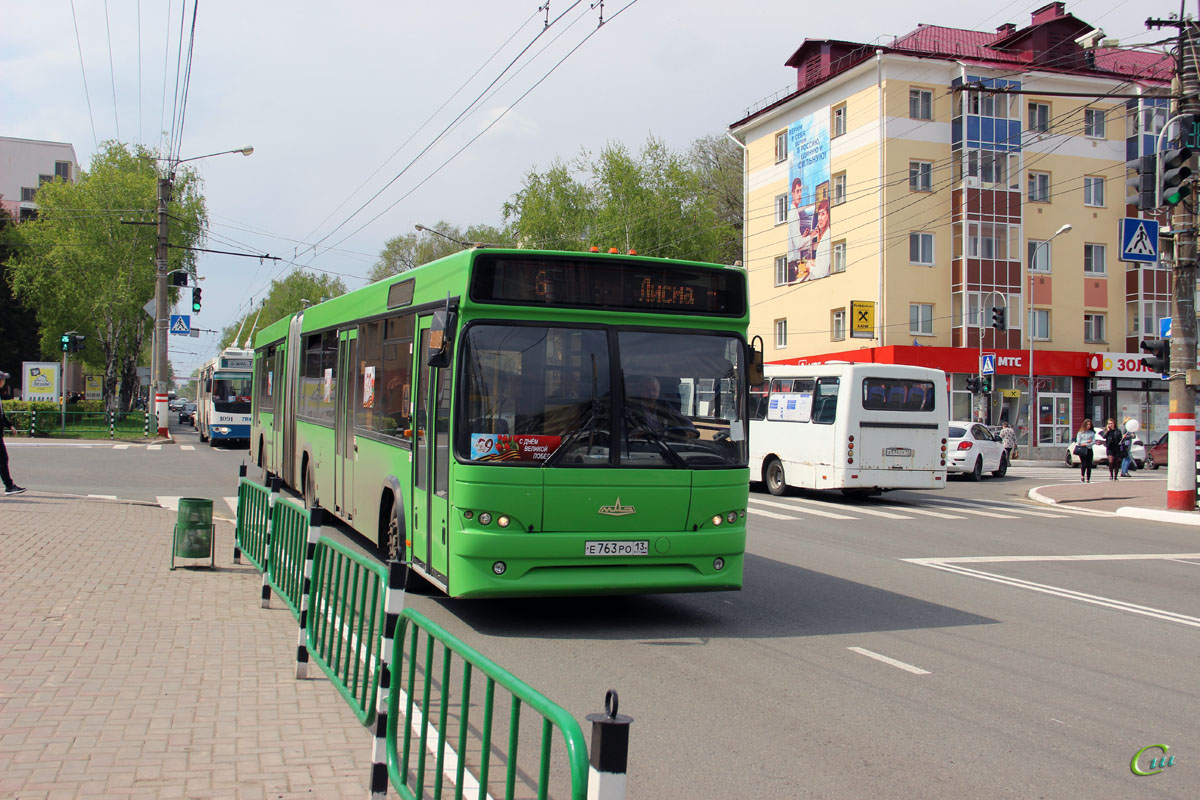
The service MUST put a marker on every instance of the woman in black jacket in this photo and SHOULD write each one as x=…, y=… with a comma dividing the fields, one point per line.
x=1112, y=448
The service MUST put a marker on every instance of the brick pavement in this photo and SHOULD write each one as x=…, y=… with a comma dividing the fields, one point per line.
x=122, y=679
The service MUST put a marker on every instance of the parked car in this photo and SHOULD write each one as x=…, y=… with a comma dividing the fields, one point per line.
x=187, y=413
x=1156, y=455
x=1100, y=452
x=974, y=450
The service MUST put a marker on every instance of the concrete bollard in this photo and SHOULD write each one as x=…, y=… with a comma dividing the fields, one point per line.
x=609, y=754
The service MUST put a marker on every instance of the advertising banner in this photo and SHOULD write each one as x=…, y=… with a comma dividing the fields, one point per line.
x=503, y=447
x=808, y=206
x=92, y=389
x=40, y=381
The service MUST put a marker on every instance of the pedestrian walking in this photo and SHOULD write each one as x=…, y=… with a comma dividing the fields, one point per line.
x=6, y=423
x=1131, y=428
x=1008, y=437
x=1112, y=448
x=1084, y=439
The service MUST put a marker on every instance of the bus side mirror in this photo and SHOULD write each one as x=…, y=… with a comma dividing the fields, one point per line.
x=755, y=359
x=441, y=337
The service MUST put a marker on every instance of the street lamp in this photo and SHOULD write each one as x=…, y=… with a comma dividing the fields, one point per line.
x=1029, y=270
x=160, y=288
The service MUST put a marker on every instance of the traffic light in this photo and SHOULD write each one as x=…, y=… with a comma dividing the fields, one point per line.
x=66, y=342
x=179, y=279
x=77, y=340
x=196, y=300
x=1160, y=355
x=974, y=386
x=1175, y=172
x=986, y=386
x=998, y=321
x=1139, y=189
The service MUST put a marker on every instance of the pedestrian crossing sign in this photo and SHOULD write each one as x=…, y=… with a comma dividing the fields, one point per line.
x=1139, y=240
x=181, y=324
x=987, y=364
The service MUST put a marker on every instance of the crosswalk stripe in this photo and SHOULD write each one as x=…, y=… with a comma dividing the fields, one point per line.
x=791, y=507
x=103, y=496
x=981, y=513
x=122, y=446
x=875, y=513
x=154, y=447
x=769, y=514
x=187, y=447
x=991, y=506
x=926, y=512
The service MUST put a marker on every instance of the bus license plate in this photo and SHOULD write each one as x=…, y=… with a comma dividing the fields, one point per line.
x=906, y=452
x=639, y=548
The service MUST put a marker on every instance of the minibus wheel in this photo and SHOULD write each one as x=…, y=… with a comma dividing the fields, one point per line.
x=774, y=478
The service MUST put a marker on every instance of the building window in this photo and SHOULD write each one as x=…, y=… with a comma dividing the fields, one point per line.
x=838, y=125
x=1039, y=256
x=781, y=275
x=920, y=104
x=44, y=179
x=839, y=256
x=1093, y=259
x=991, y=240
x=62, y=169
x=1041, y=324
x=1093, y=327
x=920, y=319
x=1039, y=117
x=1093, y=190
x=1039, y=187
x=839, y=189
x=837, y=325
x=920, y=176
x=780, y=334
x=781, y=208
x=920, y=248
x=27, y=194
x=1093, y=123
x=781, y=151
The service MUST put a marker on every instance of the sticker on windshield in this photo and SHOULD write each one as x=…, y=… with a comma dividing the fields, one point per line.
x=503, y=447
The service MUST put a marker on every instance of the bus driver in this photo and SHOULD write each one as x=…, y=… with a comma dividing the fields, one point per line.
x=653, y=415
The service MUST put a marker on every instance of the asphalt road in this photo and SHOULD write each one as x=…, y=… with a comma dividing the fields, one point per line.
x=933, y=645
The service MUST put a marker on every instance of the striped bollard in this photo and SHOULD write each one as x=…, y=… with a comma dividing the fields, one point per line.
x=393, y=606
x=145, y=424
x=609, y=755
x=237, y=551
x=32, y=422
x=266, y=584
x=112, y=425
x=315, y=515
x=1181, y=449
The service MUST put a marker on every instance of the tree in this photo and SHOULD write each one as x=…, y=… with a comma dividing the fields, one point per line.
x=82, y=268
x=659, y=203
x=18, y=323
x=286, y=297
x=402, y=253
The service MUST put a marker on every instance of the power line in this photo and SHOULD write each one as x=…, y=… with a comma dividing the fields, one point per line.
x=83, y=72
x=111, y=72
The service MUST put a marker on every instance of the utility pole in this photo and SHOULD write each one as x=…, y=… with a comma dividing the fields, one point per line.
x=161, y=308
x=1181, y=420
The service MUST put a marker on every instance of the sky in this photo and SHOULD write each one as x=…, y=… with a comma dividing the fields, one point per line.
x=346, y=101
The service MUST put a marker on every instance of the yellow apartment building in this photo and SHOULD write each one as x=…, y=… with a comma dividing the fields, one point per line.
x=910, y=203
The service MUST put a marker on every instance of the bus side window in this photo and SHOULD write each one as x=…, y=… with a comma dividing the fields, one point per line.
x=825, y=401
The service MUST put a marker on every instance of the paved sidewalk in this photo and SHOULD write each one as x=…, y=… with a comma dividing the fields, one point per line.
x=1141, y=496
x=122, y=679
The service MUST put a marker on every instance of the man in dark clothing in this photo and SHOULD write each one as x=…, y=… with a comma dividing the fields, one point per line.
x=5, y=422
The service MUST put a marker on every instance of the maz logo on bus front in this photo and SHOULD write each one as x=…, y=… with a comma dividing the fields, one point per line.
x=617, y=510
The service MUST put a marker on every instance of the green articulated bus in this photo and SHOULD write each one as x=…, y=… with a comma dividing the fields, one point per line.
x=523, y=423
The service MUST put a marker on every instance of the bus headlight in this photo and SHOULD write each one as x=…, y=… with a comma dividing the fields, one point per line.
x=718, y=563
x=485, y=519
x=717, y=519
x=731, y=517
x=499, y=568
x=221, y=430
x=503, y=520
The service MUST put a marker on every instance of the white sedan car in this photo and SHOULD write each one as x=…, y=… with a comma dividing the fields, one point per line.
x=974, y=450
x=1100, y=452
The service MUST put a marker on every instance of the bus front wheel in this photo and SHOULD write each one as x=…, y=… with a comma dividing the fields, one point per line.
x=392, y=545
x=774, y=478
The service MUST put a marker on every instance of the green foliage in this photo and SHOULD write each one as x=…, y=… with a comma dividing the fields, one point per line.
x=660, y=203
x=18, y=323
x=402, y=253
x=83, y=269
x=286, y=297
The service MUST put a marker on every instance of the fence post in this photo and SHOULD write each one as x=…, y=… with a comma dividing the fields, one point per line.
x=32, y=422
x=393, y=606
x=145, y=424
x=237, y=551
x=609, y=754
x=266, y=584
x=112, y=425
x=315, y=515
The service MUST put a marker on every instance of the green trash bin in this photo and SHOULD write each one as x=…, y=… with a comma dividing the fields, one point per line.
x=194, y=530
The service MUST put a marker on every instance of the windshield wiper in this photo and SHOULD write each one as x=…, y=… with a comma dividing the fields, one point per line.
x=587, y=425
x=651, y=436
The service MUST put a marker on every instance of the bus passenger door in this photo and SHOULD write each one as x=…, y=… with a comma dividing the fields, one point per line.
x=431, y=440
x=344, y=447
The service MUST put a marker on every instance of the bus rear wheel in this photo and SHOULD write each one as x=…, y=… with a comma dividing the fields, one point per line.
x=774, y=478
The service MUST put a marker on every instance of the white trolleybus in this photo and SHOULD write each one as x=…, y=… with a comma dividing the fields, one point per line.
x=223, y=397
x=859, y=427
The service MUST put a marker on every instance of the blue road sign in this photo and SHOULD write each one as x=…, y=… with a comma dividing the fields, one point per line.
x=181, y=324
x=1164, y=328
x=987, y=364
x=1139, y=240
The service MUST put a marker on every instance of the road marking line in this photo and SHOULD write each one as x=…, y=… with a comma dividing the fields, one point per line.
x=980, y=513
x=992, y=506
x=122, y=446
x=154, y=447
x=892, y=661
x=103, y=496
x=187, y=447
x=810, y=503
x=954, y=565
x=805, y=510
x=926, y=512
x=770, y=514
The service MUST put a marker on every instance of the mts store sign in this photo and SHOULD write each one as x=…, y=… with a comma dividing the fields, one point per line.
x=1120, y=365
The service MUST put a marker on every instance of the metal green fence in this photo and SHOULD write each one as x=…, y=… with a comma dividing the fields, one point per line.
x=109, y=424
x=285, y=567
x=253, y=520
x=424, y=716
x=345, y=622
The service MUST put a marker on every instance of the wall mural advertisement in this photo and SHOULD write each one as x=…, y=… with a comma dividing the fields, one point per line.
x=809, y=249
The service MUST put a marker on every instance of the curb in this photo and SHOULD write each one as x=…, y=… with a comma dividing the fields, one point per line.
x=1160, y=515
